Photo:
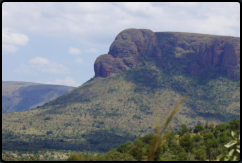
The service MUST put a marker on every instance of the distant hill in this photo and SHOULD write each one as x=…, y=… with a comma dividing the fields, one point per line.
x=19, y=96
x=118, y=103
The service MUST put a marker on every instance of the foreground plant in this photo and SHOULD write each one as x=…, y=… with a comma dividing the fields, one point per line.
x=234, y=153
x=159, y=137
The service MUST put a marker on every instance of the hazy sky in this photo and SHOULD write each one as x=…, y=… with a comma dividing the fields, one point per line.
x=58, y=43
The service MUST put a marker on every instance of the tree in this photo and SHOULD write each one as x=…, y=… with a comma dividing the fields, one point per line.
x=138, y=142
x=147, y=138
x=234, y=124
x=200, y=155
x=198, y=128
x=197, y=138
x=209, y=145
x=221, y=127
x=211, y=126
x=121, y=148
x=206, y=125
x=184, y=129
x=136, y=152
x=186, y=142
x=182, y=156
x=157, y=154
x=190, y=130
x=208, y=135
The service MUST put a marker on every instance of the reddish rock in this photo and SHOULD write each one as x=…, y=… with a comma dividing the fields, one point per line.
x=125, y=51
x=197, y=52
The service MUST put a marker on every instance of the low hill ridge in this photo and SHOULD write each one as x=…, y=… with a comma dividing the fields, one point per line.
x=19, y=96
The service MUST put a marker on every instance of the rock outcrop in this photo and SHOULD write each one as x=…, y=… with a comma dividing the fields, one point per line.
x=125, y=51
x=192, y=53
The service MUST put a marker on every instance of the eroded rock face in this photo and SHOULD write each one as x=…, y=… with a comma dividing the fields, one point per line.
x=125, y=51
x=191, y=53
x=212, y=57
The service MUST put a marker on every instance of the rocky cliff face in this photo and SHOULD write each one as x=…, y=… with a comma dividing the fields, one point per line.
x=191, y=53
x=125, y=52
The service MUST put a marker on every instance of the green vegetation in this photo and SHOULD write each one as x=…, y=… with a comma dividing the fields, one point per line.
x=202, y=146
x=104, y=113
x=176, y=148
x=125, y=113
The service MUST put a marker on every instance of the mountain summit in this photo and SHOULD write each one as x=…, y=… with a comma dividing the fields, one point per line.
x=189, y=52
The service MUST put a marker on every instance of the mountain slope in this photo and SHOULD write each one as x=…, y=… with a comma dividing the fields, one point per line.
x=107, y=111
x=18, y=96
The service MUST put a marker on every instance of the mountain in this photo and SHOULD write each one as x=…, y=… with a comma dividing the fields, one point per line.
x=19, y=96
x=189, y=52
x=118, y=104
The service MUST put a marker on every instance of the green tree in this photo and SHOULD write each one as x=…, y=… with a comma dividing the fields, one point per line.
x=122, y=148
x=208, y=135
x=206, y=125
x=221, y=127
x=138, y=142
x=137, y=153
x=222, y=138
x=184, y=129
x=209, y=145
x=234, y=124
x=182, y=156
x=147, y=138
x=211, y=126
x=157, y=154
x=197, y=138
x=198, y=128
x=186, y=142
x=200, y=155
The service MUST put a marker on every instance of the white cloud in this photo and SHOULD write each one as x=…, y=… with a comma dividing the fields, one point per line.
x=79, y=60
x=96, y=23
x=69, y=81
x=11, y=37
x=39, y=60
x=74, y=51
x=42, y=65
x=9, y=48
x=92, y=50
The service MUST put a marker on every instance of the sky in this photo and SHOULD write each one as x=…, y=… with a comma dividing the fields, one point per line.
x=58, y=42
